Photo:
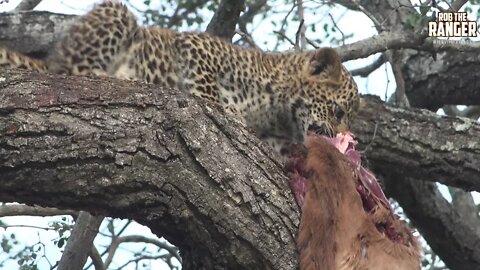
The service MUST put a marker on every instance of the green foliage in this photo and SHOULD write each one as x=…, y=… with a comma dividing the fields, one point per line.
x=417, y=22
x=424, y=9
x=28, y=256
x=178, y=13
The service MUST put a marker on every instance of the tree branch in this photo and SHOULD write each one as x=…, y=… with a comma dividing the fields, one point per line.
x=154, y=155
x=139, y=238
x=26, y=210
x=250, y=12
x=451, y=78
x=26, y=5
x=96, y=259
x=32, y=33
x=80, y=242
x=418, y=144
x=401, y=40
x=401, y=98
x=366, y=70
x=450, y=236
x=457, y=5
x=431, y=80
x=225, y=19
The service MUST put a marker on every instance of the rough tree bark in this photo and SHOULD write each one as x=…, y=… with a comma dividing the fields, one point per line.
x=428, y=85
x=419, y=144
x=447, y=78
x=408, y=148
x=122, y=165
x=225, y=19
x=135, y=151
x=32, y=33
x=157, y=156
x=432, y=78
x=26, y=5
x=80, y=242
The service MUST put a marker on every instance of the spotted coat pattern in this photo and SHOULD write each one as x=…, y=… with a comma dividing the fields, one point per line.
x=278, y=95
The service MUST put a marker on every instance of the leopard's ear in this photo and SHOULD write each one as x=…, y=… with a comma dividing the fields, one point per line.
x=326, y=62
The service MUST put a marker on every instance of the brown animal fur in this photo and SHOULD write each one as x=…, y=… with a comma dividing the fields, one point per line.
x=335, y=232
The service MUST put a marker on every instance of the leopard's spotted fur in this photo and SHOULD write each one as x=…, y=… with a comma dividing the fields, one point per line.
x=279, y=95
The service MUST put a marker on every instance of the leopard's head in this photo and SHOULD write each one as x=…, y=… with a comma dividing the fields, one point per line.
x=329, y=91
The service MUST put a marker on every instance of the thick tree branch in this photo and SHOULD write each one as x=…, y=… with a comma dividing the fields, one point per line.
x=435, y=86
x=408, y=146
x=431, y=80
x=418, y=144
x=154, y=155
x=457, y=5
x=446, y=73
x=225, y=18
x=456, y=240
x=27, y=5
x=463, y=201
x=32, y=33
x=449, y=78
x=80, y=242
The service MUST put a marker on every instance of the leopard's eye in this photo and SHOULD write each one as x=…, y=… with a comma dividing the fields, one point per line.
x=339, y=113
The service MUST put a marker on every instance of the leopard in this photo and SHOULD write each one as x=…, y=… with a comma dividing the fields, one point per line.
x=280, y=96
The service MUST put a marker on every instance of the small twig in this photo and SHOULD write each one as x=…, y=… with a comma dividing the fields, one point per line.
x=312, y=43
x=144, y=257
x=368, y=14
x=27, y=226
x=371, y=141
x=173, y=251
x=434, y=259
x=336, y=26
x=248, y=39
x=387, y=84
x=366, y=70
x=282, y=26
x=297, y=45
x=285, y=37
